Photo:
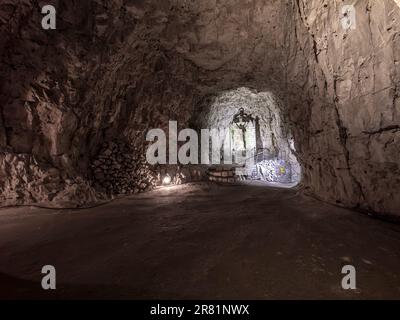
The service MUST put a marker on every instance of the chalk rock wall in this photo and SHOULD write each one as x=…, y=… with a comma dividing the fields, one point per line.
x=40, y=79
x=352, y=150
x=65, y=93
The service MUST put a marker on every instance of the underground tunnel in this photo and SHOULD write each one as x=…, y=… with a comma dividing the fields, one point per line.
x=259, y=143
x=298, y=177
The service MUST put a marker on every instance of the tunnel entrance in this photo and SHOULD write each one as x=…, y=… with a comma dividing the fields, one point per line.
x=256, y=135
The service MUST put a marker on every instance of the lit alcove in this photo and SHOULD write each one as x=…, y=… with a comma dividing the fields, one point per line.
x=259, y=140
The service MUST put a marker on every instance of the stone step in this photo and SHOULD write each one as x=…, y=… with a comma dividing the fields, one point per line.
x=223, y=174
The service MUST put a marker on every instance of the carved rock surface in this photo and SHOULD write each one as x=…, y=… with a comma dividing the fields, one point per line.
x=115, y=69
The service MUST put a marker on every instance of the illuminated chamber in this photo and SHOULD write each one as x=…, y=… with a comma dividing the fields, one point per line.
x=259, y=139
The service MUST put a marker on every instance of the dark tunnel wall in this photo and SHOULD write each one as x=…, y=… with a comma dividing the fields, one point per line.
x=114, y=69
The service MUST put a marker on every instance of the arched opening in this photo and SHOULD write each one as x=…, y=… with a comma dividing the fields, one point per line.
x=254, y=133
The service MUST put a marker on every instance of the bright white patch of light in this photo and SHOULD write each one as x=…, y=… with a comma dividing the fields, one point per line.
x=167, y=180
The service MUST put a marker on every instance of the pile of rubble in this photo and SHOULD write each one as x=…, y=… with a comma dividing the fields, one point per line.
x=122, y=169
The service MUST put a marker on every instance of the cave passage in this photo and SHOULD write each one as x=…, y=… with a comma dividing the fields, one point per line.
x=304, y=97
x=254, y=133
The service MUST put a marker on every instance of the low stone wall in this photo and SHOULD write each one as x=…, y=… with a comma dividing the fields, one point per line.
x=222, y=174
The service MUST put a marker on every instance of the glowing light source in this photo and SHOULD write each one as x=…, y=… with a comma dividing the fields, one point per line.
x=167, y=180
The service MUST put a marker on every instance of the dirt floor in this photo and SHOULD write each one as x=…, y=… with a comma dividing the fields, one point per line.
x=199, y=242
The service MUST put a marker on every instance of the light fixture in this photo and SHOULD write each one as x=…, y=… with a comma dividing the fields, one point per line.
x=167, y=180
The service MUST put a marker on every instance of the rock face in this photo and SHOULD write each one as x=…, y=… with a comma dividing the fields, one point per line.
x=24, y=180
x=115, y=69
x=354, y=102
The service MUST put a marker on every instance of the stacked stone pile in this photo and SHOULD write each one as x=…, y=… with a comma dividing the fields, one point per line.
x=122, y=169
